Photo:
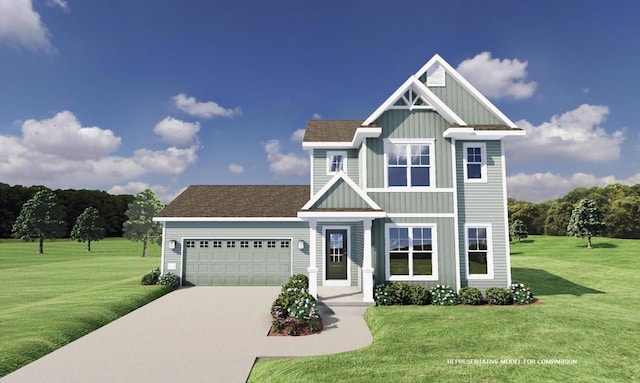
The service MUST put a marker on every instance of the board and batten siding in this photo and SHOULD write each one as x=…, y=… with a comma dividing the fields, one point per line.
x=483, y=203
x=320, y=176
x=445, y=228
x=414, y=202
x=179, y=231
x=341, y=195
x=463, y=103
x=355, y=249
x=401, y=124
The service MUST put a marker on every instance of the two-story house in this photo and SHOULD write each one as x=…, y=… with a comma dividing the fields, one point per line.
x=415, y=192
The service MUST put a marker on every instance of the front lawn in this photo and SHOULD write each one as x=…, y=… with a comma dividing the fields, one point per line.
x=49, y=300
x=586, y=330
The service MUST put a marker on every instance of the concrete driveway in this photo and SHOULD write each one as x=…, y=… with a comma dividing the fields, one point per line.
x=200, y=334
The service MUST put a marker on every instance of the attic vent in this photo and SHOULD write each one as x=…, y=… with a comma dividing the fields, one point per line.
x=435, y=76
x=411, y=100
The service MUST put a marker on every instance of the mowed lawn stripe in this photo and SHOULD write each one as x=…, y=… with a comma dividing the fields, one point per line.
x=50, y=300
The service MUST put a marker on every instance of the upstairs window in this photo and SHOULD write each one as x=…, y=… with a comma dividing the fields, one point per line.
x=475, y=169
x=409, y=164
x=336, y=161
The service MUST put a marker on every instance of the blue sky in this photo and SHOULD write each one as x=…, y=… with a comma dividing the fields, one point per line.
x=123, y=95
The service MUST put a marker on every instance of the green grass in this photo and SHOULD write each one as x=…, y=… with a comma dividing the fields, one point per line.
x=590, y=314
x=49, y=300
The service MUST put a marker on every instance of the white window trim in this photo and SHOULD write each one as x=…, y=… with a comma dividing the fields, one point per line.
x=335, y=282
x=490, y=271
x=434, y=254
x=333, y=153
x=483, y=166
x=432, y=163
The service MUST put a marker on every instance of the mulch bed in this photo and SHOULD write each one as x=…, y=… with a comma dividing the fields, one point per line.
x=303, y=330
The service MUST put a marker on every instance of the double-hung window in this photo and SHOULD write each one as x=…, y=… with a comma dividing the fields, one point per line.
x=411, y=252
x=409, y=163
x=475, y=167
x=336, y=161
x=479, y=254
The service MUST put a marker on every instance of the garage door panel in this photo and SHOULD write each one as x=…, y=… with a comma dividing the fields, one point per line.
x=217, y=264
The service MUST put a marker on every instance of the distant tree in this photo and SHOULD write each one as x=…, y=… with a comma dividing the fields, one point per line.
x=587, y=220
x=558, y=217
x=518, y=230
x=140, y=225
x=533, y=215
x=89, y=227
x=41, y=217
x=623, y=218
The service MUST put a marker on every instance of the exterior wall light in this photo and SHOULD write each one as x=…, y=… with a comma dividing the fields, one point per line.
x=301, y=244
x=172, y=244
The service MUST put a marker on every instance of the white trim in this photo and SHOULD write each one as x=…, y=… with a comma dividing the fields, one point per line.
x=336, y=282
x=410, y=141
x=490, y=271
x=465, y=84
x=311, y=159
x=313, y=263
x=483, y=162
x=456, y=222
x=470, y=134
x=164, y=239
x=434, y=252
x=331, y=182
x=332, y=153
x=341, y=215
x=226, y=219
x=506, y=213
x=367, y=282
x=420, y=215
x=404, y=189
x=362, y=156
x=361, y=134
x=422, y=90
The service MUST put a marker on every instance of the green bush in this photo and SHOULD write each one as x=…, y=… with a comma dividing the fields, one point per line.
x=470, y=296
x=418, y=295
x=299, y=281
x=381, y=296
x=442, y=295
x=295, y=308
x=151, y=278
x=398, y=293
x=521, y=294
x=168, y=279
x=498, y=296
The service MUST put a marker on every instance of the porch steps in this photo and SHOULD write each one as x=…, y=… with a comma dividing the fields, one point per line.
x=341, y=297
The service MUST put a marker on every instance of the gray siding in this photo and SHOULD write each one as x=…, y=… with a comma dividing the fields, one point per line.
x=484, y=203
x=410, y=124
x=341, y=195
x=445, y=251
x=178, y=231
x=464, y=104
x=320, y=176
x=414, y=202
x=354, y=249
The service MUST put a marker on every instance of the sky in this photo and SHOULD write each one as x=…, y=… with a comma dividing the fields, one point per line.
x=125, y=95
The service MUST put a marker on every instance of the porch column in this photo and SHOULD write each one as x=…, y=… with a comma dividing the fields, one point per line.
x=312, y=269
x=367, y=269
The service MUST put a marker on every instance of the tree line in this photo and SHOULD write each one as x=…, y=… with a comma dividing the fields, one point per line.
x=111, y=208
x=619, y=204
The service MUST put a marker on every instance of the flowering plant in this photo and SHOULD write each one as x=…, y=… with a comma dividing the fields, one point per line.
x=444, y=295
x=521, y=293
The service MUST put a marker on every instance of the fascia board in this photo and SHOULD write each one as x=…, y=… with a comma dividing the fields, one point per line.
x=341, y=176
x=388, y=102
x=360, y=135
x=471, y=134
x=341, y=215
x=226, y=219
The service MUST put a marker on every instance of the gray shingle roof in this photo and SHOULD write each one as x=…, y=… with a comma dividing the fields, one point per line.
x=331, y=130
x=238, y=201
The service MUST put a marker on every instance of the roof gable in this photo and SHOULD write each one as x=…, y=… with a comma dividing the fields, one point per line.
x=340, y=184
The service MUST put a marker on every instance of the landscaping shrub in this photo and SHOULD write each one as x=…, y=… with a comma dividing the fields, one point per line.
x=418, y=295
x=498, y=296
x=295, y=309
x=297, y=281
x=442, y=295
x=151, y=278
x=520, y=294
x=168, y=279
x=381, y=296
x=470, y=296
x=398, y=293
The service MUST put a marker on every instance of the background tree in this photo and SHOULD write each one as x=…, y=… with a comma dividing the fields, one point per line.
x=89, y=227
x=623, y=218
x=587, y=220
x=518, y=230
x=140, y=225
x=533, y=215
x=41, y=217
x=558, y=217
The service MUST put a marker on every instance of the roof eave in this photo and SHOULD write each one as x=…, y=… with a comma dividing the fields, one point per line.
x=226, y=219
x=361, y=134
x=472, y=134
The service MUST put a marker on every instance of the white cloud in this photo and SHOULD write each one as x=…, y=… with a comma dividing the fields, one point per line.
x=497, y=78
x=235, y=168
x=573, y=135
x=316, y=116
x=20, y=25
x=285, y=165
x=298, y=135
x=135, y=187
x=177, y=132
x=172, y=161
x=62, y=4
x=65, y=137
x=207, y=109
x=539, y=187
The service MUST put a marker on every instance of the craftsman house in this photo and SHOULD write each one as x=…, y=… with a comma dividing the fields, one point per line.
x=415, y=192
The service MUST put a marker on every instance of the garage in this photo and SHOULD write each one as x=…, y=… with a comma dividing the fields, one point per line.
x=236, y=262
